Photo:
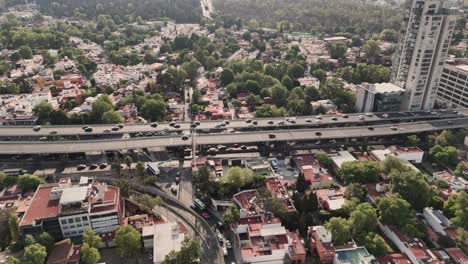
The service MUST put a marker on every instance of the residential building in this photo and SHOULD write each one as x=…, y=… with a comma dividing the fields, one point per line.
x=64, y=210
x=320, y=244
x=452, y=91
x=260, y=237
x=422, y=49
x=410, y=154
x=162, y=239
x=456, y=183
x=414, y=248
x=436, y=220
x=313, y=171
x=64, y=252
x=341, y=157
x=378, y=97
x=331, y=199
x=279, y=191
x=457, y=255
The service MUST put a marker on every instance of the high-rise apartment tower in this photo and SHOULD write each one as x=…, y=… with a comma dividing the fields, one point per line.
x=422, y=49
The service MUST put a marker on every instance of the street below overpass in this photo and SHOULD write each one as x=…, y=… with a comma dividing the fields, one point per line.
x=213, y=139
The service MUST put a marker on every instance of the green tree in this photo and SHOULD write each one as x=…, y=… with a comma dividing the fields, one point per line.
x=34, y=254
x=412, y=186
x=301, y=184
x=338, y=50
x=359, y=171
x=191, y=68
x=324, y=160
x=339, y=229
x=356, y=190
x=412, y=141
x=279, y=95
x=459, y=170
x=394, y=210
x=363, y=219
x=99, y=107
x=46, y=240
x=189, y=253
x=128, y=241
x=231, y=215
x=29, y=240
x=389, y=35
x=43, y=110
x=155, y=110
x=287, y=82
x=25, y=52
x=92, y=239
x=371, y=48
x=392, y=162
x=140, y=168
x=58, y=117
x=296, y=71
x=320, y=74
x=89, y=255
x=375, y=244
x=237, y=177
x=29, y=182
x=112, y=117
x=128, y=161
x=458, y=209
x=447, y=155
x=14, y=260
x=227, y=76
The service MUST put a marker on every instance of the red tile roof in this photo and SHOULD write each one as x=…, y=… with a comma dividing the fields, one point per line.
x=41, y=206
x=457, y=255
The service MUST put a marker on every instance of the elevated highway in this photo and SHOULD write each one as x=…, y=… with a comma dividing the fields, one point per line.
x=237, y=125
x=213, y=139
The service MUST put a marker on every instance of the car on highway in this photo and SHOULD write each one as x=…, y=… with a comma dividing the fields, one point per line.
x=81, y=167
x=197, y=123
x=193, y=125
x=450, y=122
x=93, y=166
x=394, y=128
x=176, y=126
x=154, y=124
x=226, y=122
x=103, y=166
x=334, y=118
x=371, y=128
x=318, y=117
x=308, y=120
x=120, y=126
x=84, y=127
x=116, y=128
x=281, y=123
x=272, y=135
x=369, y=114
x=344, y=116
x=361, y=117
x=385, y=115
x=53, y=132
x=255, y=122
x=248, y=121
x=36, y=128
x=89, y=129
x=270, y=122
x=42, y=138
x=318, y=133
x=172, y=124
x=185, y=137
x=107, y=131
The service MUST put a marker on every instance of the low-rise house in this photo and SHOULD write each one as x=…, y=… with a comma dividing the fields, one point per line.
x=436, y=220
x=457, y=255
x=410, y=154
x=320, y=244
x=64, y=252
x=313, y=171
x=331, y=199
x=161, y=239
x=413, y=248
x=279, y=191
x=456, y=183
x=354, y=255
x=341, y=157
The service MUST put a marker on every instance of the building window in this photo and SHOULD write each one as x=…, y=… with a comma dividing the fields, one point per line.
x=70, y=221
x=63, y=221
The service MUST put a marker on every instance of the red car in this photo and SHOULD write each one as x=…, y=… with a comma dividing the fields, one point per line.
x=205, y=215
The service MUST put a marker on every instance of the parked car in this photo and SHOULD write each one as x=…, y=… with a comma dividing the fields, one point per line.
x=37, y=128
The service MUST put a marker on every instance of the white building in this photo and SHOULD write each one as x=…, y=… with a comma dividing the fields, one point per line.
x=436, y=220
x=162, y=239
x=410, y=154
x=422, y=49
x=342, y=157
x=378, y=97
x=453, y=86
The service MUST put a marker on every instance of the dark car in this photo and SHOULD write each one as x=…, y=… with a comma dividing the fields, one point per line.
x=154, y=124
x=89, y=129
